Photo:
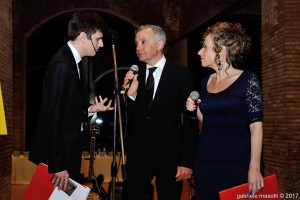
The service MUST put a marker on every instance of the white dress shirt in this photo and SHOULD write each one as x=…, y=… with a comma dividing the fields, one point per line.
x=156, y=74
x=76, y=55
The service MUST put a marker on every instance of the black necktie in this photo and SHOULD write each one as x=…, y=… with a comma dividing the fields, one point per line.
x=150, y=86
x=84, y=95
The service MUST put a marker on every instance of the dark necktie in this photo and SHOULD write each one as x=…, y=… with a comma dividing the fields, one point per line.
x=150, y=86
x=84, y=95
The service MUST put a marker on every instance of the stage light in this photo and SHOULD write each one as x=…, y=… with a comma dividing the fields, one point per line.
x=98, y=121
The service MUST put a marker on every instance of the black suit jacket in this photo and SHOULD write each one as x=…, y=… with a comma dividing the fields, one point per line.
x=165, y=135
x=57, y=141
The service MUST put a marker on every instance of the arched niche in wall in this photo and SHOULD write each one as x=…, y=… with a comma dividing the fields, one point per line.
x=46, y=39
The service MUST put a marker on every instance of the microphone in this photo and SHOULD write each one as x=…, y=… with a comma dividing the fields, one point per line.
x=89, y=37
x=194, y=96
x=94, y=47
x=98, y=54
x=134, y=69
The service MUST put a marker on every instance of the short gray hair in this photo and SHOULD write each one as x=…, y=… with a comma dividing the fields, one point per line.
x=158, y=31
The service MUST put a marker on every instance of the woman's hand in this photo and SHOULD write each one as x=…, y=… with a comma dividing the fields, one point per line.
x=190, y=104
x=255, y=180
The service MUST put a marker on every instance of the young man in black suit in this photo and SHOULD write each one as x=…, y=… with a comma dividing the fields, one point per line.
x=64, y=105
x=161, y=138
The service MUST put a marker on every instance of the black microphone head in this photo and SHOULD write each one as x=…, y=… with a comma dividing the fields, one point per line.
x=134, y=68
x=194, y=95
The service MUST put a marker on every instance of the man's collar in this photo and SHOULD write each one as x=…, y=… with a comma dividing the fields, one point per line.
x=74, y=52
x=160, y=64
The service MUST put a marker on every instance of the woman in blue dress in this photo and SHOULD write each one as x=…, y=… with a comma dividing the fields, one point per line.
x=231, y=112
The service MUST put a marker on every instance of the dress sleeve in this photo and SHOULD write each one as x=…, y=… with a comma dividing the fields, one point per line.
x=254, y=99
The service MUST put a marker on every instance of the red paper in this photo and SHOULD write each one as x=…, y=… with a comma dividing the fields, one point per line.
x=40, y=186
x=269, y=191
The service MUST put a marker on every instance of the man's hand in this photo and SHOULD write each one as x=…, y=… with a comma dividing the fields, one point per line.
x=99, y=106
x=183, y=173
x=131, y=89
x=60, y=179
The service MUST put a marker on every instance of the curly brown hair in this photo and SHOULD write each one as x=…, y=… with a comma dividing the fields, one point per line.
x=233, y=37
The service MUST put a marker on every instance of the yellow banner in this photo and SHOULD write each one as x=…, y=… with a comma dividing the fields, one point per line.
x=3, y=129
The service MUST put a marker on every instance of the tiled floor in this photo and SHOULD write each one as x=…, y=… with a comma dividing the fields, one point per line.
x=18, y=190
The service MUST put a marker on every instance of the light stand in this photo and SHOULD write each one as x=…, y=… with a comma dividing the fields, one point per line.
x=117, y=107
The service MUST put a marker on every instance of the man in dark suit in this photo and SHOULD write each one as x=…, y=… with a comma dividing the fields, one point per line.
x=64, y=105
x=161, y=137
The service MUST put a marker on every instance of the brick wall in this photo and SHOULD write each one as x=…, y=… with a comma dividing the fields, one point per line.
x=280, y=71
x=281, y=89
x=6, y=85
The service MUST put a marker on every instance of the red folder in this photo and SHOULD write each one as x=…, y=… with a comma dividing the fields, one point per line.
x=269, y=191
x=40, y=186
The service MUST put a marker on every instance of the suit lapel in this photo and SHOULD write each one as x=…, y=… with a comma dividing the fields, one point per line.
x=163, y=82
x=72, y=61
x=166, y=76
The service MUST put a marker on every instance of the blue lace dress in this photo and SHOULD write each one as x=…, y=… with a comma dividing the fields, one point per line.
x=223, y=153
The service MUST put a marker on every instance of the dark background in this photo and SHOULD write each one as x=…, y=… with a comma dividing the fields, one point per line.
x=45, y=41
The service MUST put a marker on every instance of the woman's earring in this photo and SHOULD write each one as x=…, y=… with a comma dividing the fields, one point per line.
x=219, y=65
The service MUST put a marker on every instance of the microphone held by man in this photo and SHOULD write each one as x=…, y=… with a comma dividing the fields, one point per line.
x=133, y=70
